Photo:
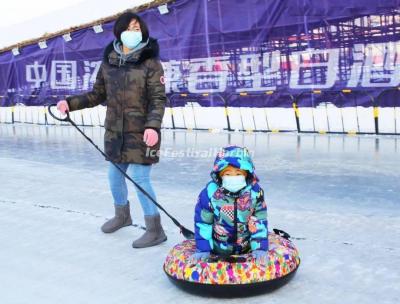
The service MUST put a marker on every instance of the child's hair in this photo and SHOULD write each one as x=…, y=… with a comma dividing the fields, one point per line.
x=244, y=172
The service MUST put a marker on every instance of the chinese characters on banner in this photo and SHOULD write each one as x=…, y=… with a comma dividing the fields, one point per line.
x=371, y=66
x=62, y=75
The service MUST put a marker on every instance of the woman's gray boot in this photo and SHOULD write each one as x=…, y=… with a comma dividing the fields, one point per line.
x=154, y=234
x=121, y=219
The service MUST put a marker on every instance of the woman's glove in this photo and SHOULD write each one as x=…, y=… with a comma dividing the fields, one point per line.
x=202, y=255
x=260, y=256
x=150, y=137
x=62, y=106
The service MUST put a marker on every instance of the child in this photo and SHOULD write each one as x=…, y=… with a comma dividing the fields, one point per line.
x=231, y=214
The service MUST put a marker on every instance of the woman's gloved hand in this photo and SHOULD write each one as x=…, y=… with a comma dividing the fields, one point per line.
x=150, y=137
x=62, y=106
x=201, y=255
x=260, y=256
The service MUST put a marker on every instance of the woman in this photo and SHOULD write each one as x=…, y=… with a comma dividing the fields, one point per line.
x=131, y=81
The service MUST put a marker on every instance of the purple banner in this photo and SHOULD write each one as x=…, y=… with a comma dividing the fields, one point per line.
x=253, y=53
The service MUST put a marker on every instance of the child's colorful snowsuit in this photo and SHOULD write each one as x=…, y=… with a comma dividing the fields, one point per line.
x=231, y=223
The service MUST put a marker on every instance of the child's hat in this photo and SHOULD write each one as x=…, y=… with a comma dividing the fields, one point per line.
x=235, y=156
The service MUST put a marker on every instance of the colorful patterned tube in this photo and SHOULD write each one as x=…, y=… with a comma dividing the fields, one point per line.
x=236, y=276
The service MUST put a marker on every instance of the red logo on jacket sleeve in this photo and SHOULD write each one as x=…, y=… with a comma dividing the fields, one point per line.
x=162, y=80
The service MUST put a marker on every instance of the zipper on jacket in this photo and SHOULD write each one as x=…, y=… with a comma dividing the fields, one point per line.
x=235, y=224
x=123, y=110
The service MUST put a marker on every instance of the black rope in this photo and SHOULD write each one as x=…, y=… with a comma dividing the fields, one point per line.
x=186, y=232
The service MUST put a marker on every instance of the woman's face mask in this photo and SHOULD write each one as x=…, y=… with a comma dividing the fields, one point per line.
x=133, y=35
x=131, y=39
x=233, y=183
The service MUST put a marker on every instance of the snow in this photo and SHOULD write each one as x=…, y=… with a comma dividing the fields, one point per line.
x=337, y=195
x=47, y=19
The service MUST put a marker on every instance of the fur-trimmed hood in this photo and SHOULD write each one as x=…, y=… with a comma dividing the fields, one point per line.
x=151, y=50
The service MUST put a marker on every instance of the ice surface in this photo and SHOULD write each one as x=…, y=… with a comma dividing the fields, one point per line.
x=337, y=195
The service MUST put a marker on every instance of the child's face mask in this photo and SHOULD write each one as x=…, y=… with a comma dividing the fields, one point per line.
x=233, y=183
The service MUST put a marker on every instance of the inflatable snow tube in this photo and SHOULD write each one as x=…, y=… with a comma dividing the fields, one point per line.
x=235, y=276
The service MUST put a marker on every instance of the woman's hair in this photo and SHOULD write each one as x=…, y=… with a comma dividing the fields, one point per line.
x=122, y=23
